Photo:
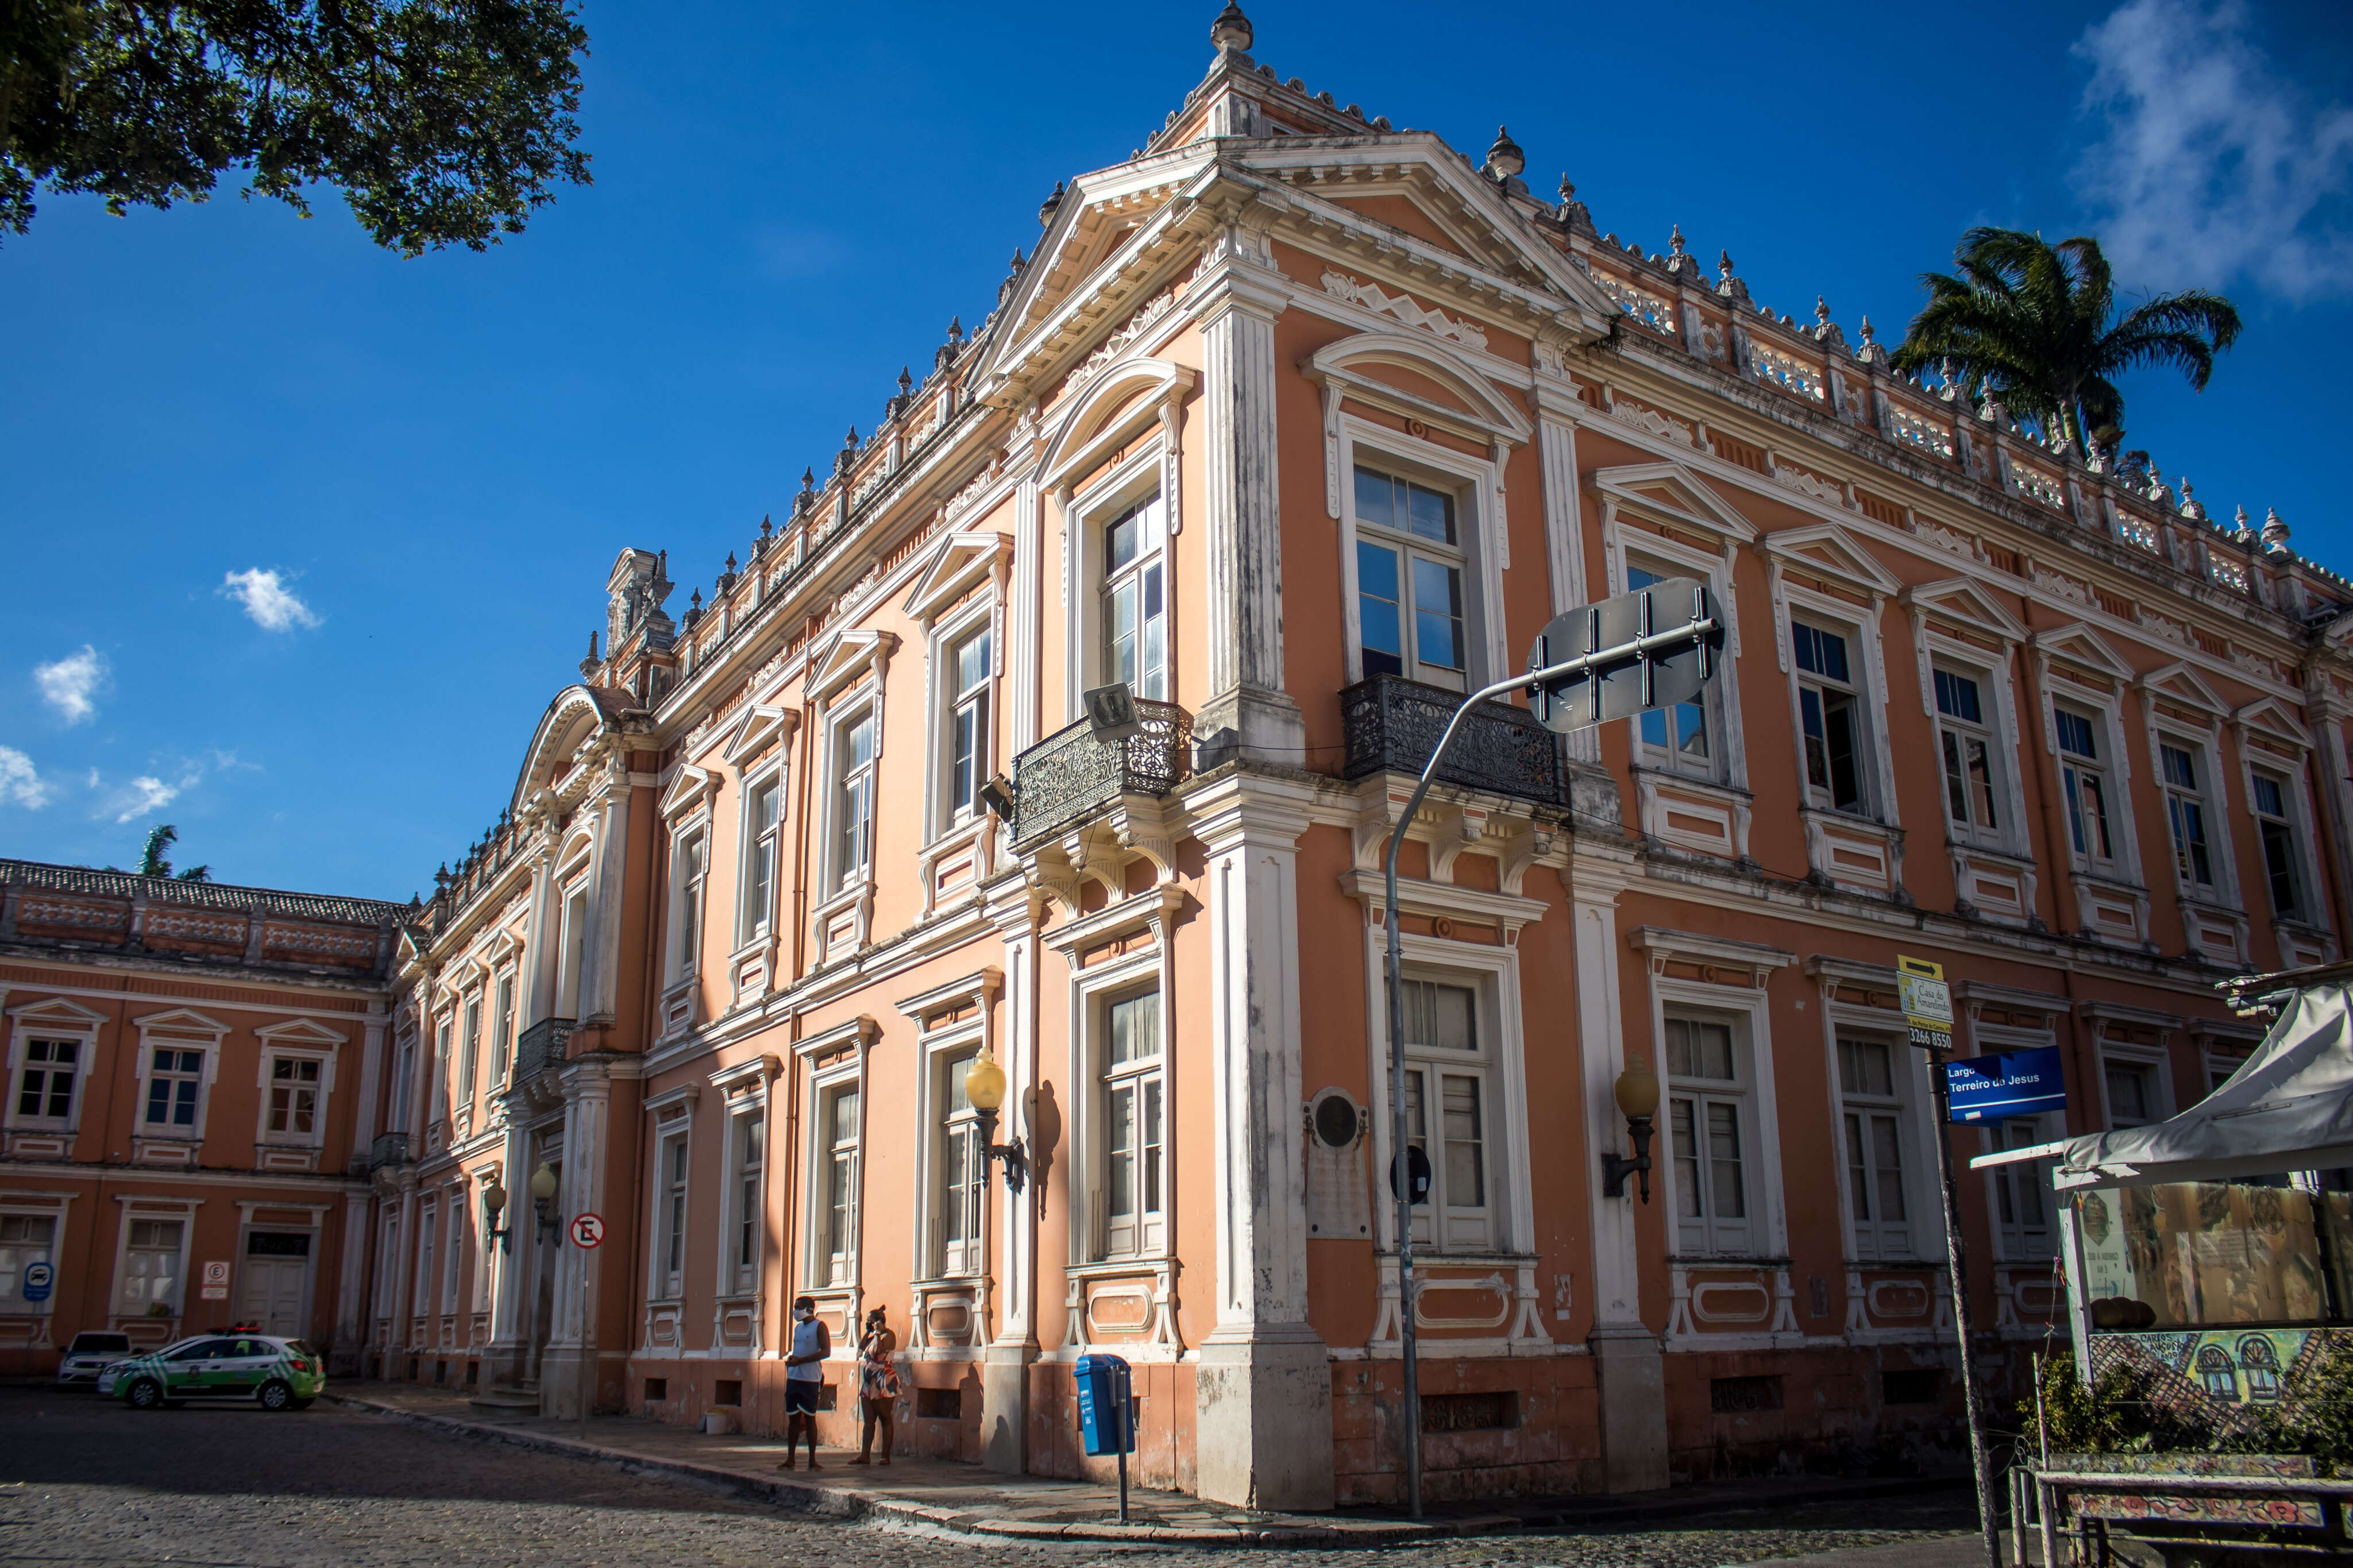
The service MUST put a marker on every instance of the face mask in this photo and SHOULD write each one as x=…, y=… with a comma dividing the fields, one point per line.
x=802, y=1314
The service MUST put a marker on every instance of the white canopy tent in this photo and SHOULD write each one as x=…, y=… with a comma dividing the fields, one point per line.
x=2288, y=1108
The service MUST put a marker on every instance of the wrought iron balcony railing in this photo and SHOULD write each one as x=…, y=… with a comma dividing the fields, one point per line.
x=1070, y=772
x=1393, y=723
x=542, y=1046
x=389, y=1149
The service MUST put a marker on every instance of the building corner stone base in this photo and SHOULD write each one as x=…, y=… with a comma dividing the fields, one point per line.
x=1004, y=1409
x=1631, y=1373
x=1262, y=1424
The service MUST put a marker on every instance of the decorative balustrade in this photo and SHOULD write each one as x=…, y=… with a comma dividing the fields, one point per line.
x=1394, y=724
x=542, y=1046
x=1646, y=308
x=2139, y=532
x=1792, y=376
x=1071, y=773
x=389, y=1149
x=2035, y=485
x=2227, y=572
x=1911, y=430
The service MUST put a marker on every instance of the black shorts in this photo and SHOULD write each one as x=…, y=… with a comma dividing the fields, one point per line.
x=800, y=1396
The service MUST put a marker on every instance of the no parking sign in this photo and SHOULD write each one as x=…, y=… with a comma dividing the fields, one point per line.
x=588, y=1231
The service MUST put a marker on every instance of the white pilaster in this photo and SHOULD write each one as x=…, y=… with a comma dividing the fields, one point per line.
x=351, y=1286
x=1013, y=1251
x=1265, y=1384
x=1023, y=670
x=572, y=1345
x=1242, y=292
x=1564, y=524
x=601, y=963
x=1628, y=1365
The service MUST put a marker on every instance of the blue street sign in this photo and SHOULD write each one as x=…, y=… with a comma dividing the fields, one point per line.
x=39, y=1279
x=2010, y=1083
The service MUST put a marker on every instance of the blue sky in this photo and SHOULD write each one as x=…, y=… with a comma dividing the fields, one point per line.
x=305, y=535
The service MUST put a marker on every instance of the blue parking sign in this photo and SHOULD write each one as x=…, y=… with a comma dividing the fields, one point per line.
x=2008, y=1084
x=39, y=1279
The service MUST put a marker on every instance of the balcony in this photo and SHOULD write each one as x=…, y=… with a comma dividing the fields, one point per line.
x=542, y=1046
x=1393, y=724
x=1070, y=772
x=389, y=1149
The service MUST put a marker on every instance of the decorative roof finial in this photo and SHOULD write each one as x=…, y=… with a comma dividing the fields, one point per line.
x=1675, y=240
x=1822, y=311
x=2274, y=535
x=849, y=442
x=1504, y=159
x=2191, y=507
x=955, y=329
x=731, y=563
x=588, y=666
x=1047, y=208
x=808, y=480
x=1231, y=30
x=905, y=380
x=2245, y=531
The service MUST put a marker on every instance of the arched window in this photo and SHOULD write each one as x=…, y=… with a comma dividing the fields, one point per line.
x=2262, y=1366
x=2215, y=1370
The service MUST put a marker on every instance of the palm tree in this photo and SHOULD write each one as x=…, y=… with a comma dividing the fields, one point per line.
x=2030, y=322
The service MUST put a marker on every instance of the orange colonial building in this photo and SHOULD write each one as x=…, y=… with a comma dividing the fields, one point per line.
x=1302, y=425
x=192, y=1073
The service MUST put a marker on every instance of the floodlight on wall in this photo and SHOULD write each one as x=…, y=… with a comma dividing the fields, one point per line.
x=1111, y=711
x=997, y=796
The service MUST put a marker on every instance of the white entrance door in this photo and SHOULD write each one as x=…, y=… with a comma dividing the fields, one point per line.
x=276, y=1270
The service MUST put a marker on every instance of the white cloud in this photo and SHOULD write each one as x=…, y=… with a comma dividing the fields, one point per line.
x=2210, y=165
x=266, y=597
x=20, y=785
x=148, y=794
x=71, y=683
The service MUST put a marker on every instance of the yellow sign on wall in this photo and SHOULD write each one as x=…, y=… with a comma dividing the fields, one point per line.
x=1928, y=1002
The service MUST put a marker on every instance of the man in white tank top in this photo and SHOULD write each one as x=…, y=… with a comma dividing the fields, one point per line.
x=804, y=1376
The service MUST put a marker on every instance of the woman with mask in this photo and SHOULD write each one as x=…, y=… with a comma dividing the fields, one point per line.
x=804, y=1376
x=878, y=1385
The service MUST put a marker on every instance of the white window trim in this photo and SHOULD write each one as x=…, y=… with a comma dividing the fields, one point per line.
x=744, y=1091
x=486, y=1251
x=1991, y=672
x=179, y=1031
x=940, y=693
x=1085, y=515
x=572, y=938
x=2205, y=750
x=51, y=1206
x=1750, y=1009
x=1866, y=675
x=681, y=965
x=1915, y=1099
x=426, y=1249
x=1477, y=485
x=859, y=1034
x=753, y=927
x=138, y=1207
x=509, y=1018
x=51, y=1020
x=1152, y=964
x=457, y=1243
x=841, y=712
x=284, y=1049
x=2294, y=774
x=935, y=1049
x=2157, y=1056
x=2115, y=762
x=667, y=1131
x=1494, y=974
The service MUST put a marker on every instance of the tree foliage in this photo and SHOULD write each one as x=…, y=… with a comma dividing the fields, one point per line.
x=440, y=121
x=152, y=863
x=2035, y=324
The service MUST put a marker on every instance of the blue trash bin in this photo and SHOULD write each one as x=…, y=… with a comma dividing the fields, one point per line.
x=1104, y=1405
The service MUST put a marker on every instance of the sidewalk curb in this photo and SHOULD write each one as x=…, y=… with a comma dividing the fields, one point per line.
x=851, y=1505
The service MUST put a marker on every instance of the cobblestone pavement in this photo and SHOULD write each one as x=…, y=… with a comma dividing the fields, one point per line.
x=85, y=1483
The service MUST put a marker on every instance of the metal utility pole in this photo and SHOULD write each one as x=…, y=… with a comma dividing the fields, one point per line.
x=1663, y=671
x=1957, y=1260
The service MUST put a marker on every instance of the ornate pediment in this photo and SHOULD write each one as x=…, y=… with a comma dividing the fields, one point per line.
x=960, y=560
x=2180, y=684
x=1671, y=493
x=2275, y=721
x=1961, y=603
x=2078, y=645
x=1827, y=550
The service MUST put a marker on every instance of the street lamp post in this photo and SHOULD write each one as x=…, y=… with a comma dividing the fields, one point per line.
x=1617, y=638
